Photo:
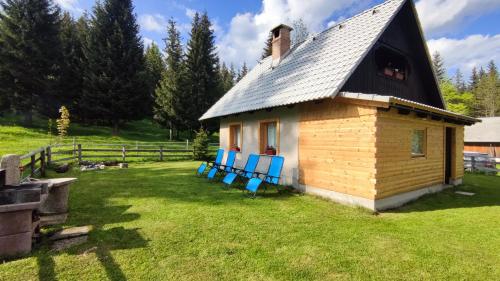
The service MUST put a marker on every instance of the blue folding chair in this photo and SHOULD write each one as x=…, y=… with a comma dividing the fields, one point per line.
x=247, y=172
x=228, y=167
x=272, y=176
x=216, y=163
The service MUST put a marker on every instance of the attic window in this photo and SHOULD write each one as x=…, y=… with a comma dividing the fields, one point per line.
x=391, y=64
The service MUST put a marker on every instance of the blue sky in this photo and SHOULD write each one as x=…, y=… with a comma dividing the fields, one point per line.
x=465, y=32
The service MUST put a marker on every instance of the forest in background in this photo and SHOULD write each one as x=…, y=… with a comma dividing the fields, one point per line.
x=478, y=96
x=98, y=67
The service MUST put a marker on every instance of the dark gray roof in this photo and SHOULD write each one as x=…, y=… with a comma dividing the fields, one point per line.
x=486, y=131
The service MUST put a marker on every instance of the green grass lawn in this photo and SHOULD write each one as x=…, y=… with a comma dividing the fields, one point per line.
x=157, y=221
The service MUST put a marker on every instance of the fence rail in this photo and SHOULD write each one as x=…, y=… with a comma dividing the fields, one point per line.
x=35, y=162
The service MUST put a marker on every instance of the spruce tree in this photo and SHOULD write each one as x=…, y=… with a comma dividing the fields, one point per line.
x=268, y=48
x=487, y=93
x=71, y=82
x=482, y=73
x=168, y=94
x=226, y=78
x=202, y=87
x=243, y=72
x=29, y=54
x=474, y=79
x=459, y=81
x=300, y=32
x=115, y=90
x=154, y=70
x=233, y=73
x=438, y=64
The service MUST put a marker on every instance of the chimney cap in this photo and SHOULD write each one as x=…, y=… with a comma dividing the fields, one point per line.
x=280, y=26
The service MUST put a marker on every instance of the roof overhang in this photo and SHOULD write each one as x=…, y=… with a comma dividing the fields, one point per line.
x=405, y=106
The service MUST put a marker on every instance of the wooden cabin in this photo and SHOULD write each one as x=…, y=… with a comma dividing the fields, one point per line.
x=484, y=137
x=355, y=110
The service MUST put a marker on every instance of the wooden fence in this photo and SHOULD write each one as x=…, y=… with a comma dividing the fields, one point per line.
x=35, y=163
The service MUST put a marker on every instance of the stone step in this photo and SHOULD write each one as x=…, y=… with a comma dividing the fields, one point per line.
x=71, y=233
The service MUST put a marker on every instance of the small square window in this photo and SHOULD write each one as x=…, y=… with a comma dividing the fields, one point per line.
x=235, y=137
x=418, y=141
x=269, y=137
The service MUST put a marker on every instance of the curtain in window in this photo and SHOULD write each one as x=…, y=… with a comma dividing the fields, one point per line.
x=417, y=144
x=271, y=134
x=236, y=135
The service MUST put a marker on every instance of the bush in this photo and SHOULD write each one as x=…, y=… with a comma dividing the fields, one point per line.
x=63, y=122
x=200, y=145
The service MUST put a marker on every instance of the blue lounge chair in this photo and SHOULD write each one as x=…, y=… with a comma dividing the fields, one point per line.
x=272, y=176
x=216, y=163
x=227, y=168
x=247, y=172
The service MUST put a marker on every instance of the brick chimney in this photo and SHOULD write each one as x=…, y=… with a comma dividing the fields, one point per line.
x=281, y=42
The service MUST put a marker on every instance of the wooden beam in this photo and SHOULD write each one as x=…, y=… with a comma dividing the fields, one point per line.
x=373, y=103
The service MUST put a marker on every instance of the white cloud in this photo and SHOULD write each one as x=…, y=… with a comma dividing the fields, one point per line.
x=190, y=13
x=248, y=32
x=474, y=50
x=70, y=5
x=442, y=16
x=156, y=23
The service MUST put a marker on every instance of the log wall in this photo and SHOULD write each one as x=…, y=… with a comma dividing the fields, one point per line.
x=397, y=170
x=361, y=151
x=337, y=147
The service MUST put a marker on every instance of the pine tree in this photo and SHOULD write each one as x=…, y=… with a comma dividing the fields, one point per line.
x=29, y=54
x=71, y=83
x=154, y=70
x=202, y=87
x=168, y=94
x=243, y=72
x=438, y=64
x=268, y=48
x=115, y=90
x=300, y=32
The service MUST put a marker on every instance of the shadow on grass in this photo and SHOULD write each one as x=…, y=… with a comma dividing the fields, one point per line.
x=102, y=240
x=486, y=191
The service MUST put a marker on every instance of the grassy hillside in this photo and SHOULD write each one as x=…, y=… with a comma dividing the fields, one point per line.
x=16, y=138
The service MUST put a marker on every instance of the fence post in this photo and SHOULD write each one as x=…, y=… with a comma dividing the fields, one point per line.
x=74, y=146
x=49, y=154
x=472, y=163
x=32, y=165
x=123, y=153
x=187, y=144
x=42, y=163
x=79, y=153
x=161, y=152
